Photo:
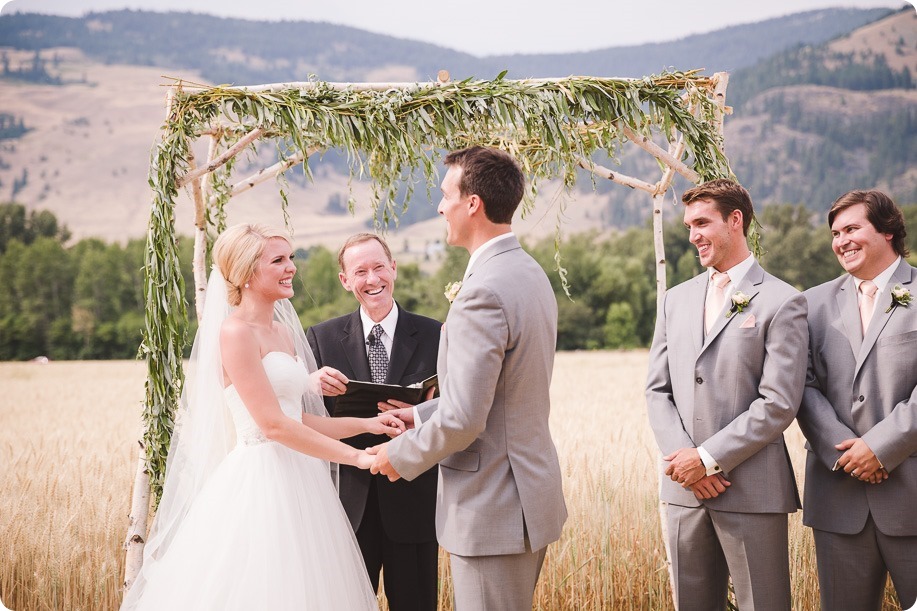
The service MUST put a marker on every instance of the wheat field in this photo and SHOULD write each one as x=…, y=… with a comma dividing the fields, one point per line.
x=68, y=435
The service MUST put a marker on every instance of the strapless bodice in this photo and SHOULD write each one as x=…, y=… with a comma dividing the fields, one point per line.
x=289, y=379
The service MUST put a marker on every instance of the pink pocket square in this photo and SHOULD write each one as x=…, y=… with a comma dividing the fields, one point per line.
x=748, y=323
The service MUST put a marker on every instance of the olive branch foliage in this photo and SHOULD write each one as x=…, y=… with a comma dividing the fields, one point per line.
x=392, y=135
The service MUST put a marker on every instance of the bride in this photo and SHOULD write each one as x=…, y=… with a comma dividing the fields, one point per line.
x=249, y=518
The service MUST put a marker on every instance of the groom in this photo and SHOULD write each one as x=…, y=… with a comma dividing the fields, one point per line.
x=500, y=501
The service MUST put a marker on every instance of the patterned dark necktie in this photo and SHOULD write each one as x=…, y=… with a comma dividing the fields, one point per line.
x=378, y=358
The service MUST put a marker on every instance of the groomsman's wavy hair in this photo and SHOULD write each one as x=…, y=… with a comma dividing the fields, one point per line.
x=359, y=238
x=881, y=211
x=494, y=176
x=728, y=195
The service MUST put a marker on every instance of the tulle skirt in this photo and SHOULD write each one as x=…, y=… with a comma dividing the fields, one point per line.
x=266, y=532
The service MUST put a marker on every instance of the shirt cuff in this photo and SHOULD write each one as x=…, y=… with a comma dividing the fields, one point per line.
x=417, y=420
x=709, y=463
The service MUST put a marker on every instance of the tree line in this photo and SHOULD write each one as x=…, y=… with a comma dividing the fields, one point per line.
x=85, y=300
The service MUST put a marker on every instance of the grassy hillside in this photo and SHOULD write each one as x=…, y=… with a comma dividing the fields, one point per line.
x=82, y=101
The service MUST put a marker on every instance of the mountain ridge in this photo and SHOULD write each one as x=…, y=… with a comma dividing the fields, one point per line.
x=85, y=150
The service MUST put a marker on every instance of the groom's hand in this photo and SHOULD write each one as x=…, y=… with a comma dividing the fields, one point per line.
x=381, y=464
x=399, y=409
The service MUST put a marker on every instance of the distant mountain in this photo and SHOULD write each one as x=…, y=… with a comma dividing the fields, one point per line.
x=726, y=49
x=247, y=52
x=816, y=121
x=823, y=103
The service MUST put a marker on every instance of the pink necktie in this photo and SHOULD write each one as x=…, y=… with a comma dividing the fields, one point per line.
x=715, y=299
x=867, y=302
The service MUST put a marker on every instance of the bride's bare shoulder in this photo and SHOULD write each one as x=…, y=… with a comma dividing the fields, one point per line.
x=235, y=332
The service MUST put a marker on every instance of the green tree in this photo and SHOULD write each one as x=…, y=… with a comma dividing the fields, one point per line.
x=621, y=327
x=15, y=224
x=43, y=284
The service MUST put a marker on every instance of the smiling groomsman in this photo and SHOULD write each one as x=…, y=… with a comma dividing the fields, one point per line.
x=859, y=410
x=726, y=375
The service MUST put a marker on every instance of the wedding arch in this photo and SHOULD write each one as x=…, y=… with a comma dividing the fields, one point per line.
x=390, y=132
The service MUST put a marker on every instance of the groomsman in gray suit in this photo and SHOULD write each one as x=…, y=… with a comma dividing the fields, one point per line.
x=726, y=374
x=859, y=410
x=500, y=501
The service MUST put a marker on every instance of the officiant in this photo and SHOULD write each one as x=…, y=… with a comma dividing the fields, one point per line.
x=383, y=343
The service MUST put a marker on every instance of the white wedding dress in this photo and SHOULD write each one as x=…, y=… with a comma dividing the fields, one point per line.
x=267, y=530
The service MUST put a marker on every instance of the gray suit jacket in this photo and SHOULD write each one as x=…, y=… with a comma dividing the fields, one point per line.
x=500, y=477
x=734, y=394
x=861, y=387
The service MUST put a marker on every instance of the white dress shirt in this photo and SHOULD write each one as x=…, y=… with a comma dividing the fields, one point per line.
x=388, y=328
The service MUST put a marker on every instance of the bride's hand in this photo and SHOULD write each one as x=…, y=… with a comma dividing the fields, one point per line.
x=384, y=424
x=364, y=460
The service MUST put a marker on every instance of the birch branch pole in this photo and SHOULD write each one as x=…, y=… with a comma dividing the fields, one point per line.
x=228, y=154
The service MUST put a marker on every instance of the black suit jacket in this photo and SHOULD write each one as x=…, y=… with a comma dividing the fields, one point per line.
x=407, y=509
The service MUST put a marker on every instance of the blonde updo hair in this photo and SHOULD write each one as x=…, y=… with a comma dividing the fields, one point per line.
x=236, y=253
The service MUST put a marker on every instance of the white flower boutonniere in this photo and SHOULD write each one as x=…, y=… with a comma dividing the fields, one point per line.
x=740, y=301
x=452, y=290
x=900, y=297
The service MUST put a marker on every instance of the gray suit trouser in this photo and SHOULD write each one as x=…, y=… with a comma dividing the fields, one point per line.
x=852, y=569
x=709, y=546
x=496, y=583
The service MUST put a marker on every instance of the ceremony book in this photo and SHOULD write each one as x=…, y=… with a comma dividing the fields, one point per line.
x=361, y=397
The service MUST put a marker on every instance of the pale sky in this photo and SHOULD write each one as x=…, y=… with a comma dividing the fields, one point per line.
x=488, y=27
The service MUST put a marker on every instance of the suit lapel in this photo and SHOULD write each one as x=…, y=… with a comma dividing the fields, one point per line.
x=880, y=318
x=354, y=346
x=850, y=313
x=403, y=345
x=695, y=308
x=749, y=285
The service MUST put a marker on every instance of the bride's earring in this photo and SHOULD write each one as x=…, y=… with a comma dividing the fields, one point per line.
x=246, y=285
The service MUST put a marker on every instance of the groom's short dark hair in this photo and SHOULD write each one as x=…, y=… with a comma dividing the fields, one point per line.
x=881, y=211
x=494, y=176
x=728, y=195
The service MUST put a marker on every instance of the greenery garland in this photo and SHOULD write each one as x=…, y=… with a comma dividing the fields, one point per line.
x=390, y=134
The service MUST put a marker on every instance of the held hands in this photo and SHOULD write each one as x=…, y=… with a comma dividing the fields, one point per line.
x=381, y=463
x=710, y=486
x=860, y=462
x=685, y=466
x=364, y=460
x=400, y=410
x=384, y=424
x=329, y=381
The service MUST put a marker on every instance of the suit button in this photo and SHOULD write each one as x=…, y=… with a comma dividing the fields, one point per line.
x=699, y=380
x=861, y=398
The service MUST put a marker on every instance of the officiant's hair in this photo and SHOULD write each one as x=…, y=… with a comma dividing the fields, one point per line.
x=236, y=253
x=359, y=238
x=881, y=211
x=727, y=195
x=494, y=176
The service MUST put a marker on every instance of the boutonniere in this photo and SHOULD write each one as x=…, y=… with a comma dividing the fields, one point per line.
x=900, y=297
x=740, y=301
x=452, y=290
